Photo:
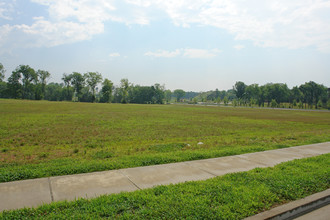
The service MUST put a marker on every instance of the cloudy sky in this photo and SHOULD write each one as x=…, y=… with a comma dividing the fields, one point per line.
x=195, y=45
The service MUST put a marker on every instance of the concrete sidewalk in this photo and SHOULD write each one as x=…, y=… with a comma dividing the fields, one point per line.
x=35, y=192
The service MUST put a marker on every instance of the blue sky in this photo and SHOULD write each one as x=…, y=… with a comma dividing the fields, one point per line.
x=196, y=45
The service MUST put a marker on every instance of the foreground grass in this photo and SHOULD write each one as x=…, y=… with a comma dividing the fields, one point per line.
x=39, y=138
x=233, y=196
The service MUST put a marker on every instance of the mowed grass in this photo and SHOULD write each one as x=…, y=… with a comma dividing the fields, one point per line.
x=233, y=196
x=40, y=138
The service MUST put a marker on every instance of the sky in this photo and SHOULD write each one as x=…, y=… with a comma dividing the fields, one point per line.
x=195, y=45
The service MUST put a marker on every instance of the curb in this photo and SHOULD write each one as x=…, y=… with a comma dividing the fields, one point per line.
x=296, y=208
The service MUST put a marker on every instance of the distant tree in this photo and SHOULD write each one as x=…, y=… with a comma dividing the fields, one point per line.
x=55, y=92
x=234, y=102
x=168, y=96
x=68, y=91
x=217, y=94
x=14, y=86
x=3, y=85
x=313, y=92
x=43, y=76
x=159, y=94
x=225, y=100
x=239, y=89
x=252, y=91
x=106, y=91
x=92, y=79
x=124, y=88
x=277, y=91
x=142, y=94
x=296, y=94
x=78, y=83
x=29, y=80
x=274, y=104
x=178, y=93
x=2, y=72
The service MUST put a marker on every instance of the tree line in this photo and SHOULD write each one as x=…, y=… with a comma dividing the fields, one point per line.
x=306, y=95
x=27, y=83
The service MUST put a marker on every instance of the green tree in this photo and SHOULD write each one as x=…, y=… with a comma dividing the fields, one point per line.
x=106, y=91
x=2, y=72
x=14, y=86
x=179, y=94
x=29, y=81
x=234, y=102
x=274, y=104
x=78, y=83
x=124, y=88
x=3, y=85
x=296, y=94
x=225, y=101
x=168, y=96
x=55, y=92
x=313, y=92
x=92, y=79
x=239, y=90
x=159, y=94
x=43, y=76
x=68, y=90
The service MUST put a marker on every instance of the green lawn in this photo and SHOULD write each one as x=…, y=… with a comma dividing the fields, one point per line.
x=40, y=138
x=233, y=196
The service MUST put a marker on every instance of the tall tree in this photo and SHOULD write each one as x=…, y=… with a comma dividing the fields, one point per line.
x=159, y=94
x=29, y=79
x=313, y=92
x=78, y=83
x=14, y=86
x=68, y=91
x=179, y=93
x=239, y=89
x=3, y=85
x=92, y=79
x=2, y=72
x=124, y=87
x=168, y=95
x=106, y=91
x=296, y=94
x=43, y=76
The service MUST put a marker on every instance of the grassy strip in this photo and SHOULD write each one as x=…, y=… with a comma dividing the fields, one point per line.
x=40, y=139
x=233, y=196
x=13, y=172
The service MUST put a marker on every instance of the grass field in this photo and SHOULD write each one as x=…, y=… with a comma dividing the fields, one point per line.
x=39, y=138
x=233, y=196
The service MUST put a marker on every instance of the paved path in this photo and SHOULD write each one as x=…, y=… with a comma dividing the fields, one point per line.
x=319, y=214
x=35, y=192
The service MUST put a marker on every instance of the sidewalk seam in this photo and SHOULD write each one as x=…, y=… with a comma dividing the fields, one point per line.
x=201, y=169
x=129, y=179
x=257, y=162
x=51, y=190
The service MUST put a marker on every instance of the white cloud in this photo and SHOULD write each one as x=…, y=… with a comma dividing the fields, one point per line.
x=163, y=53
x=188, y=53
x=114, y=55
x=290, y=24
x=6, y=9
x=67, y=22
x=200, y=53
x=239, y=47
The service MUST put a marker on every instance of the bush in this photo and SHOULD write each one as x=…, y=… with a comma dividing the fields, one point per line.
x=274, y=104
